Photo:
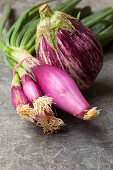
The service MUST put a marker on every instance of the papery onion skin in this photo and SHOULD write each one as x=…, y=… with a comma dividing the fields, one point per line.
x=18, y=97
x=80, y=53
x=57, y=84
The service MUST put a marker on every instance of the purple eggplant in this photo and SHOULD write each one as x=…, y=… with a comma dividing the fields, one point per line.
x=63, y=41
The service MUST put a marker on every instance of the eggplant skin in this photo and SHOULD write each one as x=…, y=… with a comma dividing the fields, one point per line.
x=79, y=54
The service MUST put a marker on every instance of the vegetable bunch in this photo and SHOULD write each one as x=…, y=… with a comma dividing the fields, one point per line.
x=29, y=102
x=54, y=83
x=33, y=79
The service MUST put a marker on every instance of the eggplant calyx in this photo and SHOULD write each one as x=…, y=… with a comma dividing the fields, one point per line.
x=50, y=23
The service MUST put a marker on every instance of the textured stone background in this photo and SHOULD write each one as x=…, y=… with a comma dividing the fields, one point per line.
x=81, y=145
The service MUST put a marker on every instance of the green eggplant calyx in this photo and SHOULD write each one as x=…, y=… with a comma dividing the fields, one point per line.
x=49, y=26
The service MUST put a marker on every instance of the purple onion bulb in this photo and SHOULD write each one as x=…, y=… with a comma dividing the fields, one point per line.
x=30, y=88
x=57, y=84
x=18, y=97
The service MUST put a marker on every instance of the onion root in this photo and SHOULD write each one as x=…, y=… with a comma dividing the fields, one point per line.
x=42, y=114
x=90, y=114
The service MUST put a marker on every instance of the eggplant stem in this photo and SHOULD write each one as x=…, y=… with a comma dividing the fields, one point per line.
x=43, y=7
x=90, y=114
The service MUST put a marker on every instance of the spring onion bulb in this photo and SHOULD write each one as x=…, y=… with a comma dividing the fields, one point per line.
x=57, y=84
x=17, y=95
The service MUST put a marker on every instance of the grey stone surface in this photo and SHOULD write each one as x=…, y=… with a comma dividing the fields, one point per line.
x=81, y=145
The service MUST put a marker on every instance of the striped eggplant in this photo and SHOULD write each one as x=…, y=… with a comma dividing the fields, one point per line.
x=63, y=41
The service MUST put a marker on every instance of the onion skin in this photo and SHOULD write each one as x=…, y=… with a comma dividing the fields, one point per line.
x=79, y=53
x=30, y=88
x=18, y=97
x=57, y=84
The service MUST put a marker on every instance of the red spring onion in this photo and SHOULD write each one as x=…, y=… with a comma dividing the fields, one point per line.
x=56, y=83
x=20, y=101
x=30, y=88
x=64, y=42
x=41, y=112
